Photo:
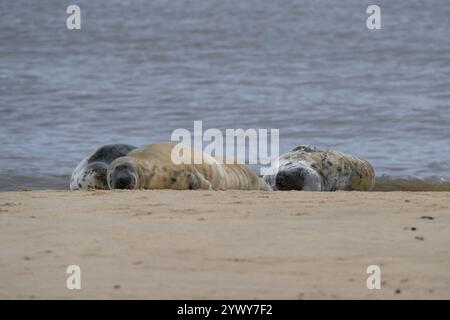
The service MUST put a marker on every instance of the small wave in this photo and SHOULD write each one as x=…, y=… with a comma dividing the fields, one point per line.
x=386, y=183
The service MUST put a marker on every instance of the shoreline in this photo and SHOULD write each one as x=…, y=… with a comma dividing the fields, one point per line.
x=224, y=244
x=383, y=183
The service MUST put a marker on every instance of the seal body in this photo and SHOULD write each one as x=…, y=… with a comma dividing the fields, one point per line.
x=313, y=169
x=152, y=167
x=91, y=172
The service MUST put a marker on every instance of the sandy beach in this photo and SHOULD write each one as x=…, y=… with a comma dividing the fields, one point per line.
x=226, y=244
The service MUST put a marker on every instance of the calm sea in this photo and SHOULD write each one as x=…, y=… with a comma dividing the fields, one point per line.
x=139, y=69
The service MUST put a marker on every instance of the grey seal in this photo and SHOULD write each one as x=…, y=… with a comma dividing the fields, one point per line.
x=91, y=171
x=310, y=168
x=152, y=167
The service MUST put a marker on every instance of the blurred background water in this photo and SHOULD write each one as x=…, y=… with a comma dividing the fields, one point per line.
x=139, y=69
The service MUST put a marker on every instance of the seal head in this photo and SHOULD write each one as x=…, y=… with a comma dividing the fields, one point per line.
x=123, y=176
x=286, y=174
x=94, y=176
x=298, y=178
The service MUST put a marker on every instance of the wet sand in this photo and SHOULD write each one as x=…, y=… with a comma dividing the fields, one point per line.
x=229, y=244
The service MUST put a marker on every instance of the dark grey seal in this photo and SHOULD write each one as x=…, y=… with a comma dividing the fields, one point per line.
x=91, y=172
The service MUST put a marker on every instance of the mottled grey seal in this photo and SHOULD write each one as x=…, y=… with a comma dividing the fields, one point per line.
x=91, y=172
x=313, y=169
x=152, y=167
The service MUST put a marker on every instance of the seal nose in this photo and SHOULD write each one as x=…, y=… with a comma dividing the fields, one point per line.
x=298, y=178
x=123, y=178
x=289, y=180
x=124, y=182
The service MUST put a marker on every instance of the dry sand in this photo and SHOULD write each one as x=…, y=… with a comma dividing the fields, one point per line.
x=231, y=244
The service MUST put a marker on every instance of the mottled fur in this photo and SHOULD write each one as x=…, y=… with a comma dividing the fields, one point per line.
x=312, y=169
x=151, y=167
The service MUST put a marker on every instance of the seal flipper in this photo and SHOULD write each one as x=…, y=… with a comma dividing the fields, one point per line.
x=197, y=181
